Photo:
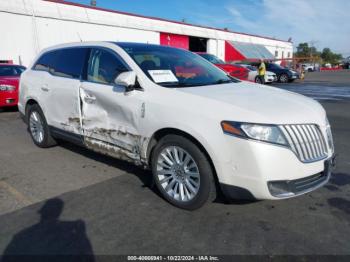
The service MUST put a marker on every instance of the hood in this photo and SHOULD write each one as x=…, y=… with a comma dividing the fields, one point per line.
x=248, y=102
x=270, y=73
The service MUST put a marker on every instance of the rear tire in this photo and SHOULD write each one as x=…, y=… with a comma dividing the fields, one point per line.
x=182, y=173
x=38, y=128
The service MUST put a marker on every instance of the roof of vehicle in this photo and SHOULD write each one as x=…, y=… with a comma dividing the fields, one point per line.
x=103, y=43
x=134, y=44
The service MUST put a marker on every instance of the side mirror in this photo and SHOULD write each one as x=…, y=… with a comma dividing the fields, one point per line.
x=126, y=79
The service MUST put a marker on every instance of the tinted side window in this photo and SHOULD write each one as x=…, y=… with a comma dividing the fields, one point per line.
x=69, y=62
x=45, y=61
x=104, y=67
x=65, y=62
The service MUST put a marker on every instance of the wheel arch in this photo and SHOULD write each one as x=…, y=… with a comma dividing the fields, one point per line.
x=159, y=134
x=29, y=103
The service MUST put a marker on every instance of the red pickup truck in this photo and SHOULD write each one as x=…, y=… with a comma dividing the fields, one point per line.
x=9, y=80
x=236, y=71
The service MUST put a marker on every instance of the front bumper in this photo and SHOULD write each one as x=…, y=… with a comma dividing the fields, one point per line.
x=255, y=166
x=270, y=78
x=291, y=188
x=294, y=76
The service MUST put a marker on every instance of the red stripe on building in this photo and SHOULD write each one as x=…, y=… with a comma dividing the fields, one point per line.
x=232, y=54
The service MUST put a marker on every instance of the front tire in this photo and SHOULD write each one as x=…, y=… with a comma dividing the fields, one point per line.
x=283, y=78
x=38, y=128
x=258, y=80
x=182, y=173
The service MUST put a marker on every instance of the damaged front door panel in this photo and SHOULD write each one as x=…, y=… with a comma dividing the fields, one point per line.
x=110, y=121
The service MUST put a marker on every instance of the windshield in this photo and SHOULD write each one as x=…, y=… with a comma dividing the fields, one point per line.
x=172, y=67
x=212, y=59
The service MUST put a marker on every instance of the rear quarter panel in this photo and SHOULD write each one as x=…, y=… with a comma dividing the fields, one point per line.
x=29, y=88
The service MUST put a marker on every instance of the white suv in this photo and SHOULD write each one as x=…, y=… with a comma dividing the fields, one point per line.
x=168, y=109
x=270, y=77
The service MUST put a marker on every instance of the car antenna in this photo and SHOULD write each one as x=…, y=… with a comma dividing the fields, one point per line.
x=79, y=37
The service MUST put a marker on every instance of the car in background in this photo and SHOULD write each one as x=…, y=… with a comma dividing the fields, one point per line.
x=234, y=70
x=284, y=75
x=9, y=80
x=270, y=77
x=308, y=67
x=346, y=63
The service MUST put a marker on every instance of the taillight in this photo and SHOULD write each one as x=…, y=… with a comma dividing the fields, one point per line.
x=7, y=87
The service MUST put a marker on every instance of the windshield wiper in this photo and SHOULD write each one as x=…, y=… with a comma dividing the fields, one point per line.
x=178, y=84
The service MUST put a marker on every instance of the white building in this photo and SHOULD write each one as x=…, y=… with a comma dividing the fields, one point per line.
x=27, y=26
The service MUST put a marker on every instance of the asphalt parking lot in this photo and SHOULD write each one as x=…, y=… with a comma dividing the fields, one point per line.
x=109, y=207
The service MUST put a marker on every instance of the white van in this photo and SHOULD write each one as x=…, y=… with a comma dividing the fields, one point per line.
x=170, y=110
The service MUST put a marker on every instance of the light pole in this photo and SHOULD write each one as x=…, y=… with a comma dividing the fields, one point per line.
x=312, y=46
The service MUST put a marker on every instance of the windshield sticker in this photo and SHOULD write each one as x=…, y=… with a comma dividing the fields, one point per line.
x=162, y=76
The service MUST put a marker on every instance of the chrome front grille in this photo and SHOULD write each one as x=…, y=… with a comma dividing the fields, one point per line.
x=306, y=141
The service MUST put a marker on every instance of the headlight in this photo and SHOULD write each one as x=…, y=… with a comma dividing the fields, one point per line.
x=7, y=88
x=266, y=133
x=329, y=135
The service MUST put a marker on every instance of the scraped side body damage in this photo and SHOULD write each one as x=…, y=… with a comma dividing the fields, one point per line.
x=110, y=123
x=124, y=146
x=112, y=150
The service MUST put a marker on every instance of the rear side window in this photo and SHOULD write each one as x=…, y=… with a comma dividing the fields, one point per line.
x=67, y=62
x=44, y=62
x=104, y=67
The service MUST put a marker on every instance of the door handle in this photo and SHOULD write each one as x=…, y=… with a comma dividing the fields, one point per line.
x=45, y=88
x=89, y=99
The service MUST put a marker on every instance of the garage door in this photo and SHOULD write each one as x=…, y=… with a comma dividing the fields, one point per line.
x=180, y=41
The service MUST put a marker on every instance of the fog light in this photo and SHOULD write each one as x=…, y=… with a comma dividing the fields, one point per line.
x=10, y=101
x=280, y=189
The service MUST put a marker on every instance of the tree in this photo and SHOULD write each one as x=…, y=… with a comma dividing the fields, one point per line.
x=329, y=57
x=310, y=53
x=303, y=50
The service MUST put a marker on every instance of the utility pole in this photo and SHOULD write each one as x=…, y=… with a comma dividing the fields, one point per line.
x=312, y=46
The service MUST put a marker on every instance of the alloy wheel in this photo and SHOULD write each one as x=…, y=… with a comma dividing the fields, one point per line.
x=36, y=127
x=284, y=78
x=178, y=173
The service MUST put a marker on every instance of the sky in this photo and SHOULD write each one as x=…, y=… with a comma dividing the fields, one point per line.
x=322, y=23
